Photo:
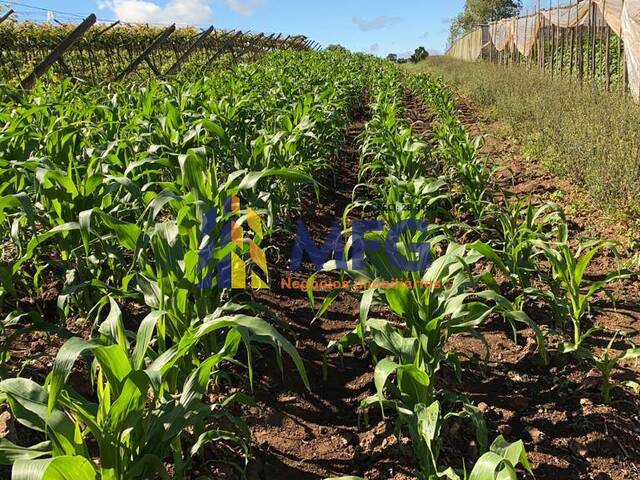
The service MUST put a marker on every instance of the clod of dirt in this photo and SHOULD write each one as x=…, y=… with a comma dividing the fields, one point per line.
x=7, y=425
x=519, y=403
x=536, y=435
x=578, y=448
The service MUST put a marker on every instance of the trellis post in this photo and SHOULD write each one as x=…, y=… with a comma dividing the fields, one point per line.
x=183, y=58
x=6, y=15
x=224, y=46
x=144, y=56
x=57, y=52
x=107, y=28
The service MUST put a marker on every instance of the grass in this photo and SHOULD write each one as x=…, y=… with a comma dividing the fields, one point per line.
x=588, y=136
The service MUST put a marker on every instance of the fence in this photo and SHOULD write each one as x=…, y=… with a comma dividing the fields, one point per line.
x=590, y=40
x=96, y=52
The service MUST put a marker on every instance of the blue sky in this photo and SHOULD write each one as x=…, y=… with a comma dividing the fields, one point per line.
x=375, y=26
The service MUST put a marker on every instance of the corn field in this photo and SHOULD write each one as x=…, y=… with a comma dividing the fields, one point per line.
x=110, y=193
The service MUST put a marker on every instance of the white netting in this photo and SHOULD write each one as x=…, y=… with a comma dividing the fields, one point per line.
x=468, y=47
x=623, y=16
x=501, y=33
x=526, y=33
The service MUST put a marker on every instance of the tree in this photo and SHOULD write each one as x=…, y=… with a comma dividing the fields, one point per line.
x=392, y=57
x=336, y=47
x=420, y=54
x=478, y=12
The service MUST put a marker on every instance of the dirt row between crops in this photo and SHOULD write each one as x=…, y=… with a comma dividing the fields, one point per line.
x=317, y=434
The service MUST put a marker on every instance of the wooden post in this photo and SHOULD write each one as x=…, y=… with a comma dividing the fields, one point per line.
x=183, y=58
x=301, y=43
x=580, y=53
x=594, y=20
x=625, y=68
x=607, y=53
x=274, y=43
x=106, y=29
x=152, y=66
x=57, y=52
x=160, y=39
x=268, y=44
x=620, y=60
x=251, y=45
x=526, y=31
x=571, y=41
x=224, y=47
x=562, y=41
x=6, y=15
x=285, y=42
x=552, y=46
x=490, y=44
x=541, y=39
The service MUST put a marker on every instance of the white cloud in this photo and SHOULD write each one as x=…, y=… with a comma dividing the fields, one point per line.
x=192, y=12
x=245, y=7
x=377, y=23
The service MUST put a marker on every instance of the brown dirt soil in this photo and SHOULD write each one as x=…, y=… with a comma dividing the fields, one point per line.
x=315, y=434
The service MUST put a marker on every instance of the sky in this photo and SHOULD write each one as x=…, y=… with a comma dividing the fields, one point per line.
x=374, y=26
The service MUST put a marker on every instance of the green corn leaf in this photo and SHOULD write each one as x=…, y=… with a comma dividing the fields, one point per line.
x=251, y=179
x=127, y=409
x=11, y=453
x=113, y=327
x=365, y=306
x=58, y=468
x=384, y=369
x=29, y=405
x=493, y=467
x=63, y=364
x=115, y=363
x=143, y=338
x=414, y=383
x=262, y=333
x=213, y=436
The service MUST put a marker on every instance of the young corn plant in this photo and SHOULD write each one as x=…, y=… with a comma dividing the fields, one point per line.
x=569, y=291
x=607, y=361
x=458, y=153
x=517, y=226
x=149, y=408
x=499, y=463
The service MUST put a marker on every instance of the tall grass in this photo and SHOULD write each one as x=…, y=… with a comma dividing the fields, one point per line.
x=583, y=134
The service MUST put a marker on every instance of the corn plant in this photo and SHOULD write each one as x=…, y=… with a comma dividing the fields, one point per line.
x=518, y=226
x=457, y=153
x=606, y=362
x=569, y=291
x=146, y=400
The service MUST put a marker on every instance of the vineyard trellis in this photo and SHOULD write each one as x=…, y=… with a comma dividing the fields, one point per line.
x=593, y=41
x=94, y=51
